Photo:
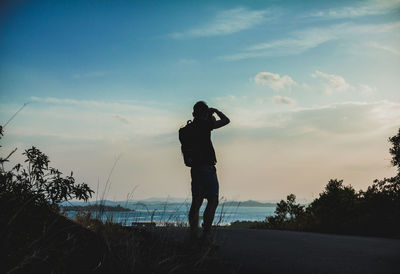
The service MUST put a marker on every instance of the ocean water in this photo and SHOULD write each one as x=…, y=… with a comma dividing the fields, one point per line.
x=178, y=214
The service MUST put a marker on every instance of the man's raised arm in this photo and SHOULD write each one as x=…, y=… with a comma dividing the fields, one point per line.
x=223, y=120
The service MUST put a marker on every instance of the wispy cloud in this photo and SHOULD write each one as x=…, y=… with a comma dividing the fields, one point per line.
x=358, y=10
x=332, y=83
x=91, y=74
x=98, y=118
x=283, y=100
x=226, y=22
x=300, y=41
x=274, y=81
x=347, y=117
x=128, y=105
x=297, y=43
x=329, y=83
x=64, y=101
x=367, y=90
x=339, y=118
x=185, y=61
x=122, y=119
x=384, y=48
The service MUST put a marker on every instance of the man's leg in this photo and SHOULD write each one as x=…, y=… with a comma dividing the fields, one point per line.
x=209, y=212
x=194, y=215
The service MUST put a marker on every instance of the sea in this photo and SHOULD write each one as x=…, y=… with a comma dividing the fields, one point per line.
x=177, y=214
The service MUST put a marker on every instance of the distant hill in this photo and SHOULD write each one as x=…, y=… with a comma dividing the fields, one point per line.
x=96, y=207
x=163, y=200
x=249, y=203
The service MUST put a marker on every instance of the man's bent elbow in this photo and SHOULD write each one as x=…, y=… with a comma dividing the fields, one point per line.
x=224, y=122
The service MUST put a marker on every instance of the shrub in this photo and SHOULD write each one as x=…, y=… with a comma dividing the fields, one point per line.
x=335, y=209
x=37, y=182
x=340, y=209
x=288, y=214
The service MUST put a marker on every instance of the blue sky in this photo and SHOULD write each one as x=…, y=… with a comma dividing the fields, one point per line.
x=311, y=88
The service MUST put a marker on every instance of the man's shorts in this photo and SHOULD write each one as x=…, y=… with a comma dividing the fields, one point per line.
x=204, y=181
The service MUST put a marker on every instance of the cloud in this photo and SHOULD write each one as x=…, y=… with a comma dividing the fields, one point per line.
x=226, y=22
x=363, y=9
x=339, y=119
x=300, y=41
x=91, y=74
x=98, y=119
x=64, y=101
x=296, y=43
x=384, y=48
x=231, y=98
x=274, y=81
x=282, y=100
x=185, y=61
x=122, y=119
x=332, y=83
x=367, y=90
x=126, y=105
x=348, y=117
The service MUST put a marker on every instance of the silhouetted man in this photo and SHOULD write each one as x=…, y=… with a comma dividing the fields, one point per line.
x=203, y=172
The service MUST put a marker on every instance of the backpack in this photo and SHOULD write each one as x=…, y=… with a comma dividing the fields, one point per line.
x=187, y=136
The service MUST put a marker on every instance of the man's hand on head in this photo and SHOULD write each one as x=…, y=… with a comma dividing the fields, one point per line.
x=223, y=120
x=213, y=110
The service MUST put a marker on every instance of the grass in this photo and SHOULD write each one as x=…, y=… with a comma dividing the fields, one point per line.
x=162, y=214
x=44, y=241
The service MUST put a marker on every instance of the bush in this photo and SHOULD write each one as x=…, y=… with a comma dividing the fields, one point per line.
x=34, y=235
x=340, y=209
x=288, y=215
x=335, y=209
x=37, y=183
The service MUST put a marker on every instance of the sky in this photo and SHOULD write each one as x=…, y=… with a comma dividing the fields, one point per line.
x=311, y=89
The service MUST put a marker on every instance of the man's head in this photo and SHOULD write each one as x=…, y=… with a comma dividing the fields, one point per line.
x=200, y=110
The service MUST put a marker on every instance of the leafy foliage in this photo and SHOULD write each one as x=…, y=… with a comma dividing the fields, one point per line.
x=29, y=198
x=395, y=150
x=340, y=209
x=37, y=182
x=286, y=213
x=335, y=208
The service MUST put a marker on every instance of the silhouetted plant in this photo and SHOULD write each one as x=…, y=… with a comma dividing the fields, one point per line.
x=288, y=210
x=340, y=209
x=395, y=150
x=334, y=210
x=281, y=211
x=287, y=214
x=38, y=182
x=380, y=203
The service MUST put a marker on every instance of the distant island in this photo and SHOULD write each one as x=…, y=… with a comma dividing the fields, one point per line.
x=249, y=203
x=96, y=207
